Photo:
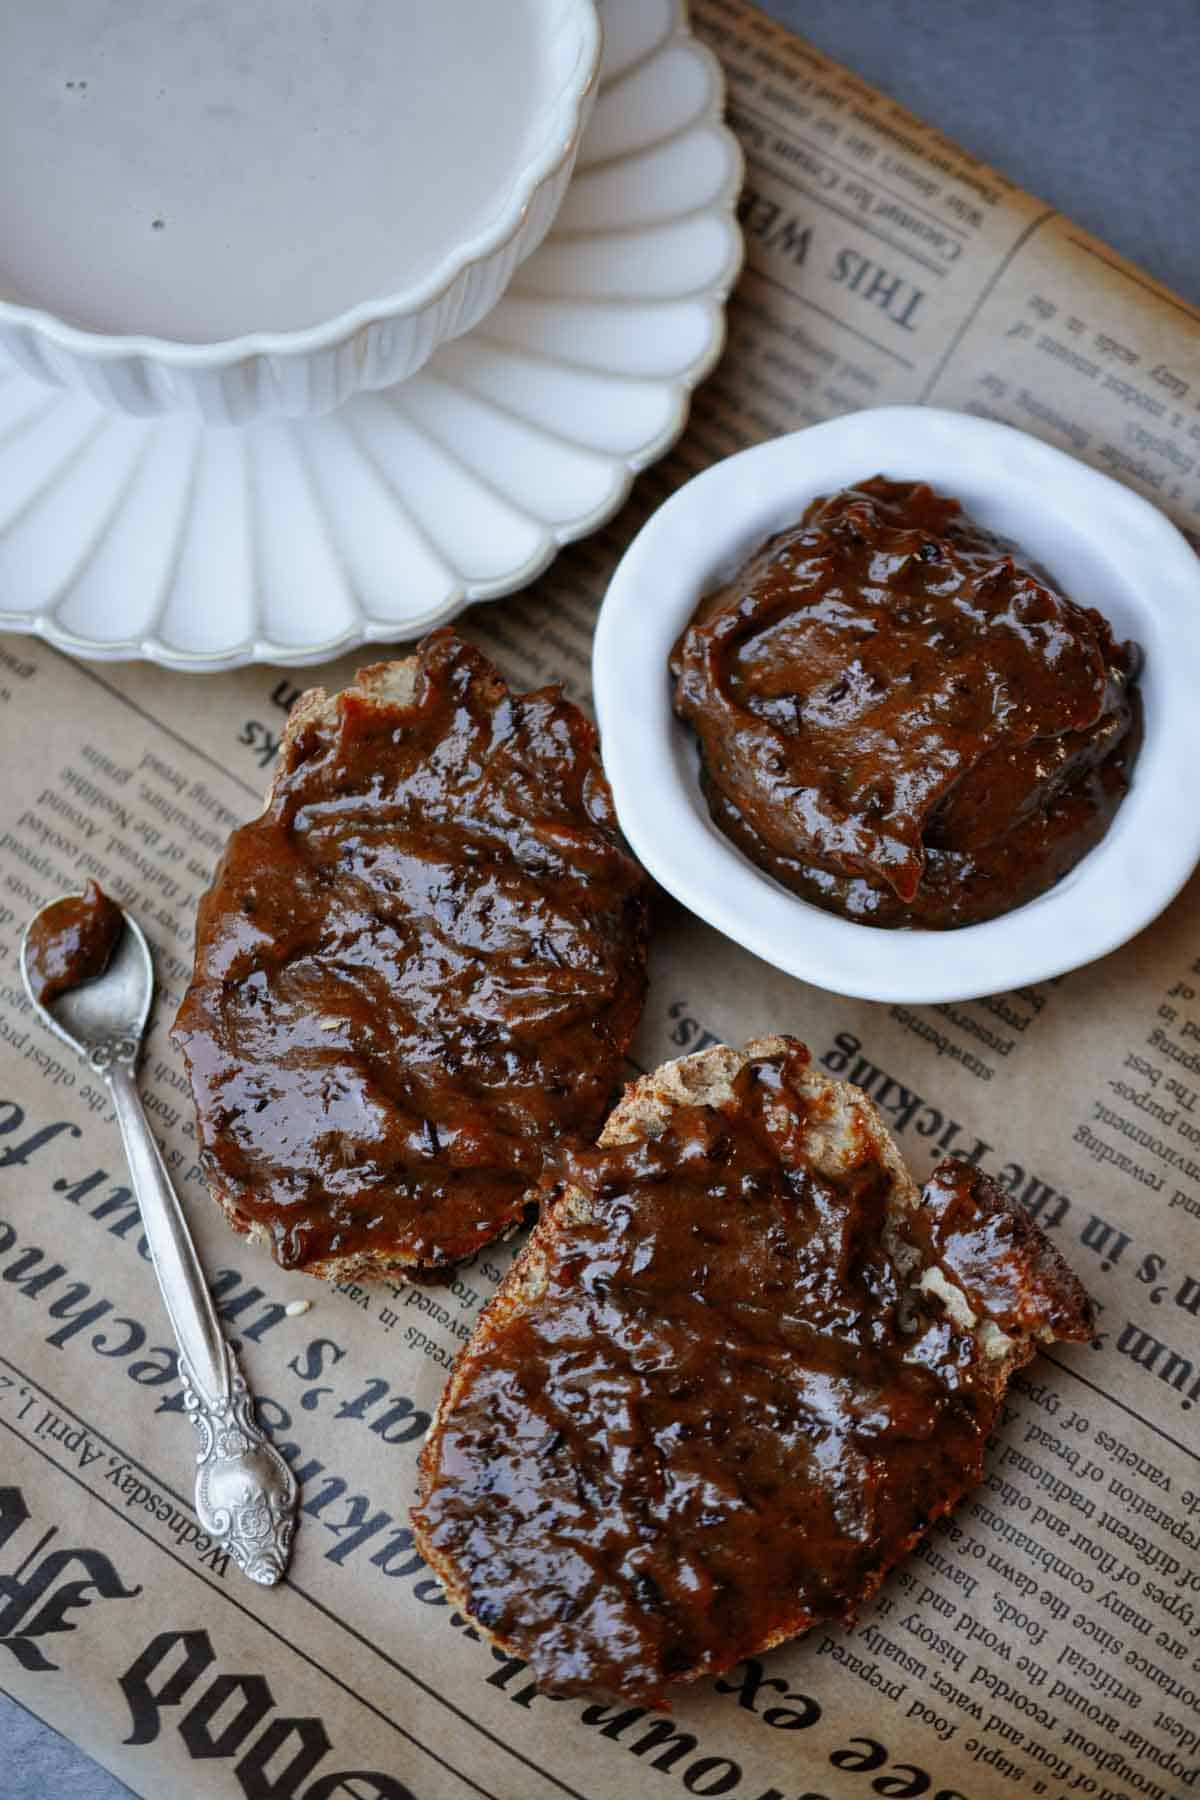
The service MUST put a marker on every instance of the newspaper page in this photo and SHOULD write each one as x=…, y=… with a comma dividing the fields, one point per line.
x=1045, y=1639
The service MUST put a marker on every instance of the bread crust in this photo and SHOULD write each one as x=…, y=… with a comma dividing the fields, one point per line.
x=842, y=1125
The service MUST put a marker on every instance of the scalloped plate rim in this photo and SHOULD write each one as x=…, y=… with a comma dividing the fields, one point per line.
x=470, y=593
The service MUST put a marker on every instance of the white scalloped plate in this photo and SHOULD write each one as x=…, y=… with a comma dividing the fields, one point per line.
x=205, y=547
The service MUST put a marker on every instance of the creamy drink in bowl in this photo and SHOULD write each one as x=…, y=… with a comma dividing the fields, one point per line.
x=203, y=181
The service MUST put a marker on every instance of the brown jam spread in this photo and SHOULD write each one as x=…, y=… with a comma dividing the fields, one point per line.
x=417, y=970
x=734, y=1407
x=900, y=718
x=72, y=942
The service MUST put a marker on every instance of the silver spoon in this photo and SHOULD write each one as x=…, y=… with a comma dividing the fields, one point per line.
x=245, y=1492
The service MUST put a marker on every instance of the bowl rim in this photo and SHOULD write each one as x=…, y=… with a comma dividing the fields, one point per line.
x=564, y=120
x=1148, y=852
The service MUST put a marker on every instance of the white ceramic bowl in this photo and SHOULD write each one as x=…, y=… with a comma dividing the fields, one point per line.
x=1103, y=545
x=252, y=210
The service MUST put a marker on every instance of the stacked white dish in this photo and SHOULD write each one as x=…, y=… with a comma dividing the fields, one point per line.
x=288, y=539
x=251, y=211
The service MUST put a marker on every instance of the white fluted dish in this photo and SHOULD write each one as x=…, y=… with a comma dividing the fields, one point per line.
x=290, y=541
x=256, y=214
x=1102, y=543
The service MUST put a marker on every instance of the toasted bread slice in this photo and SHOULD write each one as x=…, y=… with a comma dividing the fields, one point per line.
x=418, y=968
x=740, y=1368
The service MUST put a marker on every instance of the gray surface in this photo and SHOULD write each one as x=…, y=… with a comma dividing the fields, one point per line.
x=37, y=1764
x=1089, y=103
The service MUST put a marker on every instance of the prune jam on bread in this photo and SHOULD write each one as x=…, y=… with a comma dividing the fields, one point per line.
x=743, y=1364
x=899, y=715
x=415, y=971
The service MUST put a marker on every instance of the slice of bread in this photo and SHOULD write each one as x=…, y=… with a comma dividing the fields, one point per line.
x=448, y=937
x=541, y=1546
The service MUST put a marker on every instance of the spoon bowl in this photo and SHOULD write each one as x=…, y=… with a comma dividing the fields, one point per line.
x=106, y=1017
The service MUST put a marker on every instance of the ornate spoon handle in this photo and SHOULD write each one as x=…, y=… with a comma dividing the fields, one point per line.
x=245, y=1492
